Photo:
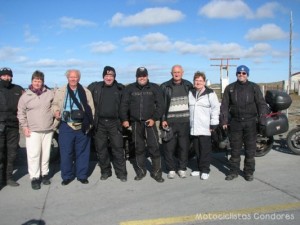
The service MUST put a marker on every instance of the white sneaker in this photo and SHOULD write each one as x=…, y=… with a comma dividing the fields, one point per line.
x=182, y=173
x=171, y=175
x=195, y=173
x=204, y=176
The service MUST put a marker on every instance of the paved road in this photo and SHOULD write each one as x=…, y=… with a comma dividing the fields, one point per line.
x=272, y=198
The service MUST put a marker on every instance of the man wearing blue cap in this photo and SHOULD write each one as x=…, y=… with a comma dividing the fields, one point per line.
x=243, y=103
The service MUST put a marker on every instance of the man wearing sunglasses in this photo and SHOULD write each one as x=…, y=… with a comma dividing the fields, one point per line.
x=242, y=104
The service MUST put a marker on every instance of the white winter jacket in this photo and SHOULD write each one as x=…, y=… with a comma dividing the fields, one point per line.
x=204, y=112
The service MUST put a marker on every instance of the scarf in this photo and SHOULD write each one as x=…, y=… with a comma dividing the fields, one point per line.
x=38, y=92
x=88, y=115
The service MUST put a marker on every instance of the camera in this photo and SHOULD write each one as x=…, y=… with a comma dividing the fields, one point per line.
x=66, y=116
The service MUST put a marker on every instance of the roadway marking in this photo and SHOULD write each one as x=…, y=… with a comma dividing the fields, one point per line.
x=218, y=215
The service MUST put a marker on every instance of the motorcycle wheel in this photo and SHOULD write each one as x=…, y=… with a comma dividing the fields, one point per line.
x=263, y=145
x=293, y=140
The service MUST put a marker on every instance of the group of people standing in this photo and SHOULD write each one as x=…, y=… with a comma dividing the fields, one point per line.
x=104, y=109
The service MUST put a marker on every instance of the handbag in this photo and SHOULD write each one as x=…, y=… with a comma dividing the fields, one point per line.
x=77, y=115
x=166, y=134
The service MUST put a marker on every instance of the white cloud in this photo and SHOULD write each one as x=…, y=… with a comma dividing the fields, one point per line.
x=225, y=9
x=148, y=17
x=155, y=37
x=102, y=47
x=151, y=42
x=45, y=63
x=210, y=50
x=259, y=50
x=229, y=9
x=11, y=54
x=71, y=23
x=163, y=1
x=30, y=38
x=231, y=50
x=267, y=10
x=67, y=63
x=266, y=32
x=131, y=39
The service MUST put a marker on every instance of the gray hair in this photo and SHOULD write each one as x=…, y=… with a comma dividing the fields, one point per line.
x=73, y=70
x=176, y=65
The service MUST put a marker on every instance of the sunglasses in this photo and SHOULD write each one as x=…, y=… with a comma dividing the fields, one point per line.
x=243, y=73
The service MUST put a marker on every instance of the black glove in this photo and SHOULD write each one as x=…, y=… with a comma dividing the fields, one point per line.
x=213, y=127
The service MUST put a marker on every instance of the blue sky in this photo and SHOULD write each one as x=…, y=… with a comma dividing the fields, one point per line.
x=53, y=36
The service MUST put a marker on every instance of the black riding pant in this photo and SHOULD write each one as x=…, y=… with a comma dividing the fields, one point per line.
x=180, y=143
x=9, y=144
x=142, y=136
x=203, y=148
x=243, y=132
x=109, y=133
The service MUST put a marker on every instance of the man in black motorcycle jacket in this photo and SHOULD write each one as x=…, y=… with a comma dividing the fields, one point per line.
x=242, y=104
x=107, y=99
x=9, y=126
x=141, y=106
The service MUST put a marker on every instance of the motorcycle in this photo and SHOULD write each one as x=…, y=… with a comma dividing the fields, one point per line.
x=271, y=124
x=293, y=140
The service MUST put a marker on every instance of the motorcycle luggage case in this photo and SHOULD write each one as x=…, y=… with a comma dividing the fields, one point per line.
x=278, y=100
x=274, y=123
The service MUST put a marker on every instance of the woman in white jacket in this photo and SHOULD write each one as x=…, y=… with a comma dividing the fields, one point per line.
x=204, y=117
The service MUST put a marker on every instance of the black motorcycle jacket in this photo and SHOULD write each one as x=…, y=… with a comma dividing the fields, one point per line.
x=96, y=89
x=167, y=93
x=242, y=102
x=140, y=103
x=9, y=98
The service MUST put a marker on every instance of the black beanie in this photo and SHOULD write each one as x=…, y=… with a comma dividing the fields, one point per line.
x=6, y=71
x=108, y=68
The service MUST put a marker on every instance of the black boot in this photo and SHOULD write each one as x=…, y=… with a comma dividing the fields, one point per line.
x=140, y=167
x=156, y=170
x=234, y=166
x=249, y=168
x=35, y=183
x=231, y=176
x=1, y=176
x=12, y=183
x=140, y=174
x=46, y=180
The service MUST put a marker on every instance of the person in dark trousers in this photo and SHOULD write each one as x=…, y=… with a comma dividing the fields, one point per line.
x=244, y=104
x=204, y=118
x=73, y=106
x=108, y=128
x=9, y=126
x=176, y=116
x=141, y=106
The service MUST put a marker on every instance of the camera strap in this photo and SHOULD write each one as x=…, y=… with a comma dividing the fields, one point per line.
x=71, y=96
